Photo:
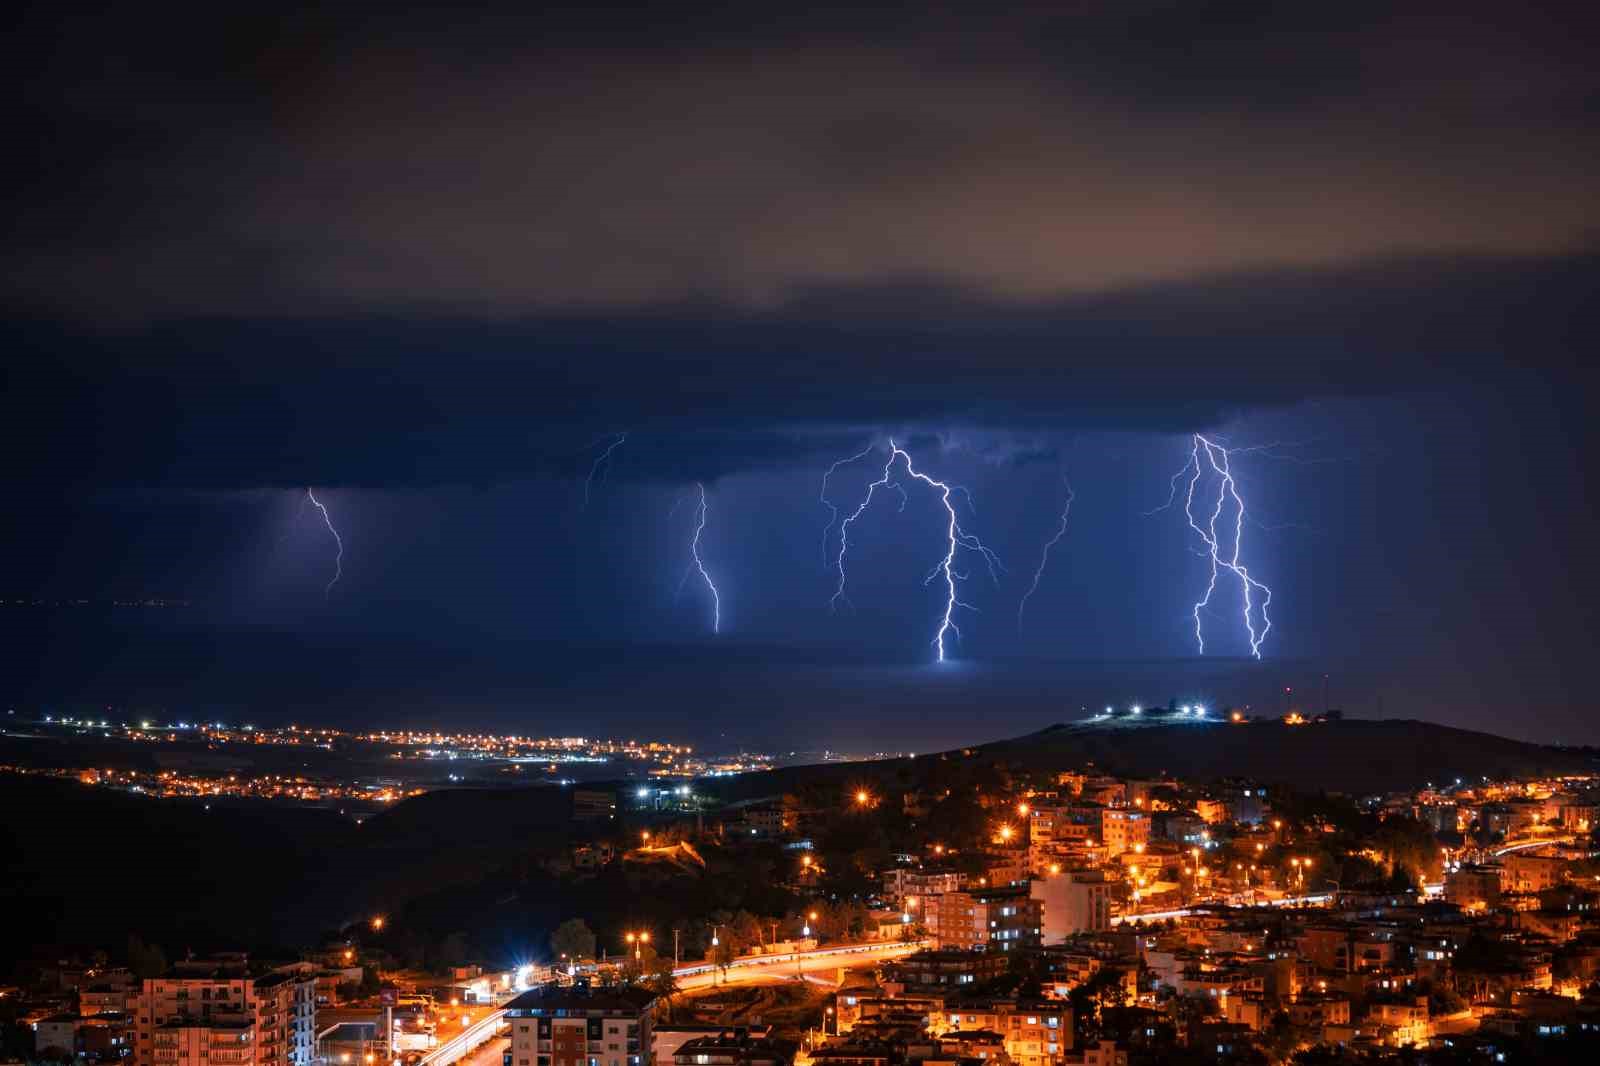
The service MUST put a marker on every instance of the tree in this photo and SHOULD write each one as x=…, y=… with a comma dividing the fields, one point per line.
x=662, y=982
x=574, y=939
x=722, y=956
x=145, y=960
x=453, y=950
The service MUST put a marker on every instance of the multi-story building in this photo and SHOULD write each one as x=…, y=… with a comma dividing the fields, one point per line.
x=579, y=1026
x=1579, y=815
x=948, y=968
x=772, y=819
x=1474, y=886
x=908, y=882
x=1074, y=901
x=996, y=919
x=210, y=1015
x=665, y=1040
x=594, y=805
x=107, y=999
x=1124, y=830
x=733, y=1048
x=1525, y=872
x=1036, y=1032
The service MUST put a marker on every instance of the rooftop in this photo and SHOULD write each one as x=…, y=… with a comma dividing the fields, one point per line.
x=547, y=999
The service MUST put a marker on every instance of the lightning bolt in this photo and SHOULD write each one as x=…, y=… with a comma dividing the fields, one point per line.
x=1044, y=556
x=338, y=560
x=956, y=539
x=1205, y=453
x=833, y=511
x=696, y=563
x=600, y=460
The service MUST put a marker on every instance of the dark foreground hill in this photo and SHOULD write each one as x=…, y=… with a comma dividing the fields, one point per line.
x=85, y=867
x=1352, y=755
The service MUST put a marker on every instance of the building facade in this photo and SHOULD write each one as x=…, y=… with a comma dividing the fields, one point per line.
x=576, y=1026
x=1073, y=901
x=996, y=919
x=225, y=1016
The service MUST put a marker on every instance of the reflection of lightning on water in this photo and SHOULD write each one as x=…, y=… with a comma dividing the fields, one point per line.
x=955, y=538
x=338, y=559
x=1044, y=556
x=1206, y=453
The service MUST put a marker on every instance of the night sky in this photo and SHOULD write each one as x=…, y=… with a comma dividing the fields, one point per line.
x=432, y=264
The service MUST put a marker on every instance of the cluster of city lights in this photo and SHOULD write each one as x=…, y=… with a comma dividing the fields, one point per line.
x=1187, y=710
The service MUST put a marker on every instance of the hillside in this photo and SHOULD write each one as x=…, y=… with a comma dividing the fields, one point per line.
x=1353, y=755
x=88, y=866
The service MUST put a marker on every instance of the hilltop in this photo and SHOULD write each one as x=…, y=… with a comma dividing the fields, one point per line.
x=1357, y=756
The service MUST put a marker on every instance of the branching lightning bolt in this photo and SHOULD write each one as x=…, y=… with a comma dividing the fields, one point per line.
x=601, y=460
x=1207, y=453
x=338, y=559
x=956, y=539
x=822, y=495
x=698, y=564
x=1044, y=556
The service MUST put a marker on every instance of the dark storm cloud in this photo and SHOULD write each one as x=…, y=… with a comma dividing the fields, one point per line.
x=448, y=248
x=1019, y=159
x=230, y=402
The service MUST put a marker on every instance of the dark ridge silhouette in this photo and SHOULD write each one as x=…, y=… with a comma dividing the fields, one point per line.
x=1357, y=756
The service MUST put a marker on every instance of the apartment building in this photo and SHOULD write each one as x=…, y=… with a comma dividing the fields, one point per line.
x=579, y=1026
x=905, y=882
x=224, y=1015
x=1072, y=901
x=1124, y=830
x=994, y=919
x=1036, y=1032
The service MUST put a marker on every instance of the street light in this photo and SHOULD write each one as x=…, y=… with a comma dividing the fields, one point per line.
x=377, y=923
x=863, y=797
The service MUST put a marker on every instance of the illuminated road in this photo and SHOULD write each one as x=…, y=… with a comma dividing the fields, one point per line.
x=1524, y=845
x=489, y=1054
x=1315, y=899
x=1309, y=900
x=483, y=1027
x=786, y=967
